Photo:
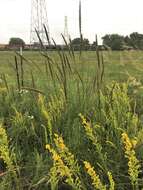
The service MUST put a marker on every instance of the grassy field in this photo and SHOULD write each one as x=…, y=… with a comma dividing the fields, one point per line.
x=118, y=65
x=71, y=122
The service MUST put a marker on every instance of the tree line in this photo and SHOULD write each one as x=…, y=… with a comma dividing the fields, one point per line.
x=110, y=41
x=113, y=42
x=119, y=42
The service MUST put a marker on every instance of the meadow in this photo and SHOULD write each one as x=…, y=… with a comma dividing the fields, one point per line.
x=119, y=65
x=71, y=120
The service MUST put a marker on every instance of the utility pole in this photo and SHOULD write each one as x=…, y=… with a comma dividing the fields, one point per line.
x=66, y=33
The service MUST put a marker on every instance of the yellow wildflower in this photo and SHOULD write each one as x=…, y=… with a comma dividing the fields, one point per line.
x=64, y=163
x=47, y=147
x=134, y=142
x=4, y=149
x=112, y=183
x=133, y=162
x=60, y=143
x=87, y=165
x=127, y=143
x=88, y=129
x=94, y=177
x=56, y=157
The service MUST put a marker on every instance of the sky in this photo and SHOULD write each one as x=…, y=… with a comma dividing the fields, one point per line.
x=98, y=17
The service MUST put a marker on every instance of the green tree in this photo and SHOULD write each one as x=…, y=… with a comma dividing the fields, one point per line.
x=114, y=41
x=77, y=43
x=94, y=45
x=16, y=42
x=136, y=40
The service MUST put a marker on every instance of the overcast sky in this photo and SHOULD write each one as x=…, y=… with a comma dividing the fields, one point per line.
x=98, y=17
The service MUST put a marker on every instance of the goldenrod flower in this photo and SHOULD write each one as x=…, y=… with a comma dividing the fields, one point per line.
x=4, y=149
x=133, y=162
x=112, y=183
x=59, y=142
x=134, y=143
x=94, y=177
x=47, y=147
x=88, y=128
x=56, y=157
x=127, y=142
x=64, y=163
x=87, y=165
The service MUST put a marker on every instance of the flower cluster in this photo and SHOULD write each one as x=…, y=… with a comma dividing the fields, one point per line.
x=96, y=182
x=4, y=150
x=66, y=155
x=112, y=183
x=88, y=128
x=59, y=169
x=133, y=162
x=65, y=165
